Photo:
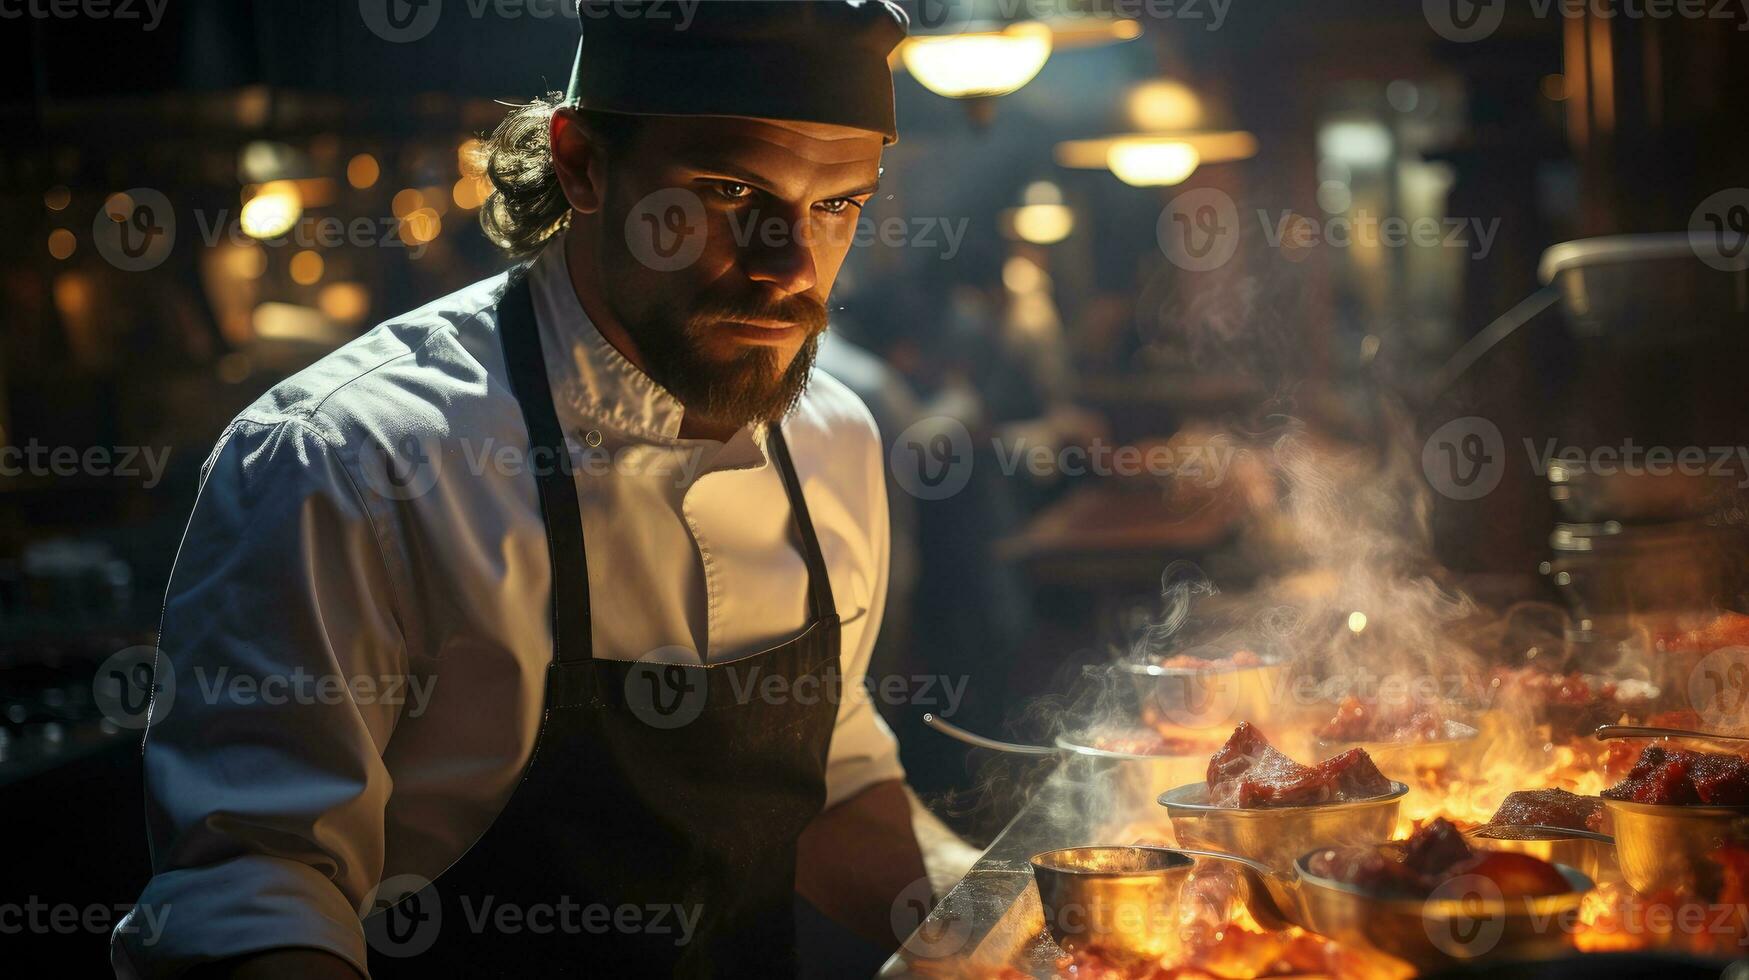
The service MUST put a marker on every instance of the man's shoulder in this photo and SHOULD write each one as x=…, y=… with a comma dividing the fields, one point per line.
x=406, y=378
x=830, y=410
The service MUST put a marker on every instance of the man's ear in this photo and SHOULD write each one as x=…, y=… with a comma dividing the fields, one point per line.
x=576, y=161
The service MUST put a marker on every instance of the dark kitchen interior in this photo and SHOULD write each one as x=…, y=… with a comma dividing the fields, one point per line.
x=1462, y=401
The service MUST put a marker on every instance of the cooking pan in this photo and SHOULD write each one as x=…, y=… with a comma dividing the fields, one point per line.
x=1118, y=898
x=1276, y=836
x=1403, y=761
x=1668, y=845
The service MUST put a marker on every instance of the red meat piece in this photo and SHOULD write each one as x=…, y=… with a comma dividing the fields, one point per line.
x=1550, y=808
x=1677, y=776
x=1248, y=772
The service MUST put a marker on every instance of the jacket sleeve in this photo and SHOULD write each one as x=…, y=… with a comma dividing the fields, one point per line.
x=863, y=750
x=265, y=785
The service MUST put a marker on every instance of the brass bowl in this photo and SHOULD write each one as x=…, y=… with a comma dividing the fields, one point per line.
x=1277, y=836
x=1466, y=920
x=1666, y=845
x=1117, y=898
x=1591, y=853
x=1404, y=761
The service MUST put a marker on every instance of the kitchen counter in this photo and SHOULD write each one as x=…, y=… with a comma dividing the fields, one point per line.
x=992, y=918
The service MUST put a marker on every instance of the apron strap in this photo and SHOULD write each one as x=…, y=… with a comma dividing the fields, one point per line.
x=527, y=367
x=820, y=604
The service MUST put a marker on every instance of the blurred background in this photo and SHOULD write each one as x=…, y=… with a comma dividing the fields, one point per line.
x=1107, y=224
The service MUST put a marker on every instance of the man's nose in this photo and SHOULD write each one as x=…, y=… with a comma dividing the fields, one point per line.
x=782, y=258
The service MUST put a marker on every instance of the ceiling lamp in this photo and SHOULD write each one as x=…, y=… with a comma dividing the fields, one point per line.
x=1042, y=218
x=1173, y=139
x=272, y=210
x=978, y=64
x=1152, y=163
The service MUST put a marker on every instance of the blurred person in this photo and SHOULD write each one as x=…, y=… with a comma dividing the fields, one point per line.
x=594, y=732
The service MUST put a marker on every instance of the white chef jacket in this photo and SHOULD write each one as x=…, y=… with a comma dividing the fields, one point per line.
x=273, y=815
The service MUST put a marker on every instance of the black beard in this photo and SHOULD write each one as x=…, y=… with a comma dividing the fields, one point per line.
x=743, y=391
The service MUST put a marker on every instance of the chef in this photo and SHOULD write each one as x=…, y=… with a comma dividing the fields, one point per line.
x=565, y=584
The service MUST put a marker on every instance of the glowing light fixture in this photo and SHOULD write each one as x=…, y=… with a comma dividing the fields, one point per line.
x=978, y=64
x=1042, y=218
x=1152, y=163
x=1356, y=621
x=1358, y=144
x=273, y=210
x=1161, y=105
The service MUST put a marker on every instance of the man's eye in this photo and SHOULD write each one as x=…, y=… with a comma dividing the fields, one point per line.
x=837, y=205
x=730, y=190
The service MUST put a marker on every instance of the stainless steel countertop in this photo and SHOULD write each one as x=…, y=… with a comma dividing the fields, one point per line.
x=992, y=918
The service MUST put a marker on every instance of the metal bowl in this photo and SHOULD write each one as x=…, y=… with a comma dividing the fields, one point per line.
x=1117, y=898
x=1666, y=845
x=1461, y=922
x=1591, y=853
x=1215, y=697
x=1403, y=761
x=1277, y=836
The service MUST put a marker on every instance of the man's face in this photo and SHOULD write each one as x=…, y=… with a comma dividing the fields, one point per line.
x=769, y=210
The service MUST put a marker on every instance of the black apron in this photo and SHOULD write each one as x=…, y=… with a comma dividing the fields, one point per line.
x=655, y=793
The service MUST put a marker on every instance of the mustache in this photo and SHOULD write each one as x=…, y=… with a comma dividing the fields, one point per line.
x=803, y=311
